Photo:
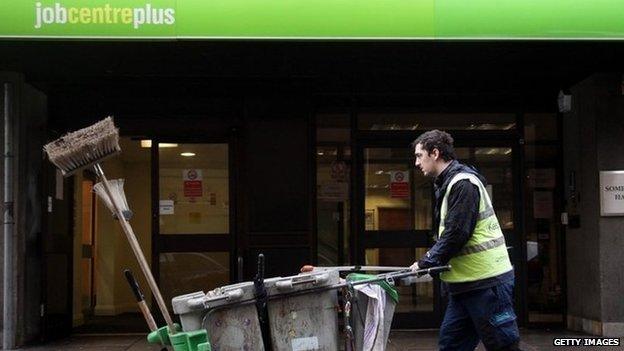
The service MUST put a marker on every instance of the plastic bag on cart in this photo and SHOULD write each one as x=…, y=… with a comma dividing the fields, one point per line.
x=374, y=322
x=372, y=313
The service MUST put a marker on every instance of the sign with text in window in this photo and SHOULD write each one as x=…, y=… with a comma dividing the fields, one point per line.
x=399, y=184
x=192, y=182
x=166, y=207
x=612, y=193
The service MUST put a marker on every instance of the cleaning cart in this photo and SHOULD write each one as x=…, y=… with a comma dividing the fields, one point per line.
x=291, y=313
x=303, y=312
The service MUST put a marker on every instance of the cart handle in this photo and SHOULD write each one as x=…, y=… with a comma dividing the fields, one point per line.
x=204, y=302
x=390, y=277
x=290, y=284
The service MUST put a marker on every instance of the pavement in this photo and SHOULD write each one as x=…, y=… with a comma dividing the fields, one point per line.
x=403, y=340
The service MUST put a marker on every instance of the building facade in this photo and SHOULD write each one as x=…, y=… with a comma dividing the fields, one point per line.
x=299, y=149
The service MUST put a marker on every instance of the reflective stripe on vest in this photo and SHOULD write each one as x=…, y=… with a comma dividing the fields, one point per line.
x=485, y=253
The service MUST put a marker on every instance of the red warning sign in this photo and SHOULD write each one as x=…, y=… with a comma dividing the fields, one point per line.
x=192, y=182
x=399, y=185
x=192, y=188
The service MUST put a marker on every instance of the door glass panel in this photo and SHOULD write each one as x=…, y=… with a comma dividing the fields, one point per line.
x=186, y=272
x=194, y=189
x=417, y=297
x=495, y=164
x=423, y=205
x=333, y=170
x=546, y=299
x=396, y=197
x=540, y=127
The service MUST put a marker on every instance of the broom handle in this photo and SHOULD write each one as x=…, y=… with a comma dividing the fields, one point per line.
x=136, y=248
x=134, y=285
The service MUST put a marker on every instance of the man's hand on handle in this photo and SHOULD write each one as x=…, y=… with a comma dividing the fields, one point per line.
x=307, y=268
x=414, y=267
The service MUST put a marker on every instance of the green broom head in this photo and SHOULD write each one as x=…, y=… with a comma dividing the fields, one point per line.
x=84, y=147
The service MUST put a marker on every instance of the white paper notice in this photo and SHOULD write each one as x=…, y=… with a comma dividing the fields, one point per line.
x=166, y=207
x=305, y=344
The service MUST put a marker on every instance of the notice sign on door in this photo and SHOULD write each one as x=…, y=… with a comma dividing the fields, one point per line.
x=339, y=171
x=192, y=182
x=166, y=207
x=399, y=184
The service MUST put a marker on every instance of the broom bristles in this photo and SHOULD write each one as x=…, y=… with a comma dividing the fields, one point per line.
x=84, y=147
x=117, y=192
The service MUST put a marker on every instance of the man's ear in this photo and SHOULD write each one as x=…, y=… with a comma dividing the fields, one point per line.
x=435, y=154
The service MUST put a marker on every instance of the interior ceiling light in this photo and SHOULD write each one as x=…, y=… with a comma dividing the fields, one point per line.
x=187, y=154
x=148, y=143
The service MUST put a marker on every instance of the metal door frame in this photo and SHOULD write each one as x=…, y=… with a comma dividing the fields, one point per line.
x=226, y=242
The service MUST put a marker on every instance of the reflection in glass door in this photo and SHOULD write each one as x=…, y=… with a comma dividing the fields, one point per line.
x=193, y=217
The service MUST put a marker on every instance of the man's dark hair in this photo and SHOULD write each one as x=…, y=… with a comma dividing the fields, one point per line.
x=437, y=139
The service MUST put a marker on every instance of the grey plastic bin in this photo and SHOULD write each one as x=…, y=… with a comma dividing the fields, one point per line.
x=307, y=320
x=228, y=314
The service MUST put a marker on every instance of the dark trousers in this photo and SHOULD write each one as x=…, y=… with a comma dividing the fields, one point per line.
x=483, y=314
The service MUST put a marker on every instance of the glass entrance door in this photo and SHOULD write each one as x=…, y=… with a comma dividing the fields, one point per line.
x=396, y=219
x=396, y=216
x=192, y=217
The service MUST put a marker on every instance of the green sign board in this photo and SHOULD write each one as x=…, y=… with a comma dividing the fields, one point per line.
x=313, y=19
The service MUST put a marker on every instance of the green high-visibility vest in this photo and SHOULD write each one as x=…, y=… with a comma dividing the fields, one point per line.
x=485, y=253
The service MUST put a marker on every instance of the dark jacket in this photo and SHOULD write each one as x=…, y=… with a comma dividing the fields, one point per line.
x=459, y=224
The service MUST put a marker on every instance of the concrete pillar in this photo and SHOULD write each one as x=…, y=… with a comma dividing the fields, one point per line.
x=22, y=322
x=593, y=138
